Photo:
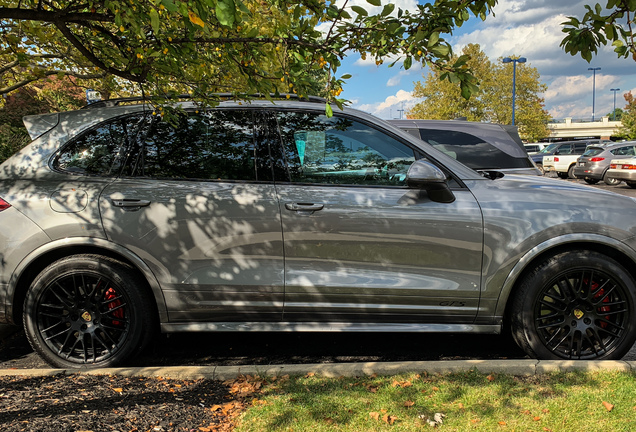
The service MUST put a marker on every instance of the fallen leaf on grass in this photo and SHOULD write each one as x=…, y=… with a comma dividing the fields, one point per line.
x=389, y=419
x=608, y=406
x=491, y=377
x=374, y=415
x=536, y=418
x=409, y=403
x=310, y=374
x=502, y=423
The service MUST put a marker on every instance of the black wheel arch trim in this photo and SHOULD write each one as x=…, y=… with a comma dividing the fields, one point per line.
x=61, y=248
x=555, y=245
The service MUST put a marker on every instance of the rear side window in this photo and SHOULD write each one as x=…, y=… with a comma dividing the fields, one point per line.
x=100, y=151
x=217, y=145
x=472, y=151
x=624, y=151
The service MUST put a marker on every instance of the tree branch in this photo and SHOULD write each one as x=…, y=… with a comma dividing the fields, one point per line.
x=24, y=82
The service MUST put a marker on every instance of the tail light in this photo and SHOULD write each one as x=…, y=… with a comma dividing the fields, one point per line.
x=4, y=205
x=556, y=159
x=612, y=166
x=629, y=167
x=597, y=159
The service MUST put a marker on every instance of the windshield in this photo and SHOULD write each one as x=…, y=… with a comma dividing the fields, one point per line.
x=550, y=149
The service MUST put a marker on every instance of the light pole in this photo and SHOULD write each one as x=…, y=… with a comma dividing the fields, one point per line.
x=614, y=112
x=514, y=62
x=593, y=87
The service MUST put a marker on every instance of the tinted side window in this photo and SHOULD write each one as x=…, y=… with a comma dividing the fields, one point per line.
x=472, y=151
x=218, y=145
x=579, y=148
x=99, y=151
x=338, y=150
x=624, y=151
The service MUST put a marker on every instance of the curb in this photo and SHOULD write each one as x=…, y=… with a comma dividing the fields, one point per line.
x=509, y=367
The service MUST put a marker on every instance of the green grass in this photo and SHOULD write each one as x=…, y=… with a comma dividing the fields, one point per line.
x=471, y=401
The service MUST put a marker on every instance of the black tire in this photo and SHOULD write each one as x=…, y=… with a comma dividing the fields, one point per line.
x=631, y=184
x=610, y=181
x=88, y=311
x=577, y=305
x=562, y=175
x=571, y=172
x=591, y=180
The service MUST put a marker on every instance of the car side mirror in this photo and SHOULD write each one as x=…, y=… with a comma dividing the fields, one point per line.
x=425, y=175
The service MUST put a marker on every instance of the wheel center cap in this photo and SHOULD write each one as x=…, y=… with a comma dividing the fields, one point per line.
x=87, y=316
x=578, y=313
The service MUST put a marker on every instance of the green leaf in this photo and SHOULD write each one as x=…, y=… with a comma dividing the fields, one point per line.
x=408, y=61
x=388, y=9
x=169, y=4
x=154, y=21
x=433, y=39
x=359, y=10
x=328, y=110
x=225, y=12
x=345, y=76
x=375, y=2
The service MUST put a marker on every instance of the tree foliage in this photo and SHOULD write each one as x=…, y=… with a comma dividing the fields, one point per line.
x=492, y=102
x=238, y=46
x=600, y=25
x=628, y=118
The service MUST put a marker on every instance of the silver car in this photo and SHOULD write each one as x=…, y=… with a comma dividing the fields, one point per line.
x=593, y=166
x=274, y=217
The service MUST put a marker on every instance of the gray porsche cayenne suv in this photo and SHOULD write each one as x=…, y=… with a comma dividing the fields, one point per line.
x=115, y=224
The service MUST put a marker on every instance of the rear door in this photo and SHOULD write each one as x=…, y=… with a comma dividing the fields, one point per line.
x=360, y=246
x=199, y=206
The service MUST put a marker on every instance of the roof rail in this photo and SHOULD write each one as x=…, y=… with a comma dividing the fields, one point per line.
x=107, y=103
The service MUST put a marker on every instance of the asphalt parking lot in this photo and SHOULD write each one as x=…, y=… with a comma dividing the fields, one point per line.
x=226, y=349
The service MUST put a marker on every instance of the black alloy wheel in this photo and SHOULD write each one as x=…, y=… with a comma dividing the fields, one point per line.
x=576, y=306
x=87, y=311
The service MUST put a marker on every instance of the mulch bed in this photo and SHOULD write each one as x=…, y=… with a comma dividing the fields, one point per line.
x=107, y=403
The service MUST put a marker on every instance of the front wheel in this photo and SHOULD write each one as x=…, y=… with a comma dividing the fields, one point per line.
x=87, y=311
x=571, y=173
x=577, y=305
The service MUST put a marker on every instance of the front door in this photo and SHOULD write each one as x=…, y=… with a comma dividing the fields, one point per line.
x=360, y=246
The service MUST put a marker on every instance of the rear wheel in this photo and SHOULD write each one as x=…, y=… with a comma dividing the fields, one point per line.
x=571, y=172
x=591, y=180
x=88, y=311
x=576, y=305
x=609, y=180
x=562, y=175
x=631, y=184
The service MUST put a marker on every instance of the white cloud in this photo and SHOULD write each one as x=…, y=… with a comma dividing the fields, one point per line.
x=392, y=106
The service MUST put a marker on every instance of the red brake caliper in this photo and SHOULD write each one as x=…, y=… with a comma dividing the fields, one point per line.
x=119, y=313
x=601, y=293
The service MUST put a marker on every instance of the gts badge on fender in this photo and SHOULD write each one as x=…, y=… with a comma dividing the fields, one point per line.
x=453, y=303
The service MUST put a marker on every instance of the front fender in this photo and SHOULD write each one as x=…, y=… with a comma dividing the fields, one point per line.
x=528, y=259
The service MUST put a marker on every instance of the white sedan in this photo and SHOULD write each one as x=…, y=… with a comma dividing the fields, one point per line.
x=624, y=169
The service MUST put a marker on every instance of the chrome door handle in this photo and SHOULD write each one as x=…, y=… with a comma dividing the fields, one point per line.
x=130, y=204
x=304, y=207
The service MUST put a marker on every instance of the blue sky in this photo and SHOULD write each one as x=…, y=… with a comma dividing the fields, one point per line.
x=530, y=29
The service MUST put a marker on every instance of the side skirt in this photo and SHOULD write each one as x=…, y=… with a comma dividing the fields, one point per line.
x=328, y=327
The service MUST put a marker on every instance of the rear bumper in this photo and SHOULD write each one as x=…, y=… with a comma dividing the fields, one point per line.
x=589, y=172
x=629, y=175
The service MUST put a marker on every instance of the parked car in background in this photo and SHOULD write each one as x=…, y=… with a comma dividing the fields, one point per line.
x=624, y=169
x=593, y=166
x=116, y=223
x=563, y=148
x=480, y=146
x=534, y=148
